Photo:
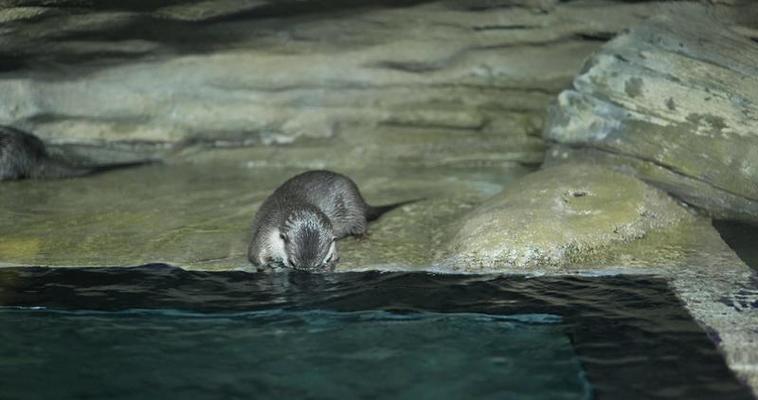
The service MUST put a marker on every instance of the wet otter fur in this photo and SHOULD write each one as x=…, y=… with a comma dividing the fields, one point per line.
x=23, y=156
x=297, y=226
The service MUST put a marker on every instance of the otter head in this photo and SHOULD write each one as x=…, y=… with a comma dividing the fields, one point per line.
x=308, y=240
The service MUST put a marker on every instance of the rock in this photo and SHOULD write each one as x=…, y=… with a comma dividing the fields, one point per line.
x=198, y=216
x=435, y=83
x=579, y=217
x=675, y=102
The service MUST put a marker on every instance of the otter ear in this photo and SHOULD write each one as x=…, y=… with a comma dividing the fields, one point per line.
x=283, y=237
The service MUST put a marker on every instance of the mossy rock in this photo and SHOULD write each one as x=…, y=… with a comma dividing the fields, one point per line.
x=574, y=217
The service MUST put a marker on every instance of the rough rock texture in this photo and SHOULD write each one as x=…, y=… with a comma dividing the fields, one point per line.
x=575, y=217
x=460, y=82
x=674, y=101
x=742, y=15
x=724, y=301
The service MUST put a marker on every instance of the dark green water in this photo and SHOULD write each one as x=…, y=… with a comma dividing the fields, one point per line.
x=159, y=332
x=277, y=355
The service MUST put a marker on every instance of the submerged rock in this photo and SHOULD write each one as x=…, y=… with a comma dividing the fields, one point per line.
x=675, y=102
x=580, y=217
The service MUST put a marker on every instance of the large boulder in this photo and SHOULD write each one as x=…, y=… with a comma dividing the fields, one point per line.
x=581, y=217
x=675, y=102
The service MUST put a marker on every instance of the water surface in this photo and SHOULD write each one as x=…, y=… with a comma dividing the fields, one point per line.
x=158, y=331
x=277, y=354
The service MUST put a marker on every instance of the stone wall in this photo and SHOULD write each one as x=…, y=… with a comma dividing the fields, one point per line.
x=459, y=82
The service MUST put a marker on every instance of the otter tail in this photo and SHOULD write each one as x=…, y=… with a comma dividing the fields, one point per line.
x=111, y=167
x=375, y=212
x=52, y=168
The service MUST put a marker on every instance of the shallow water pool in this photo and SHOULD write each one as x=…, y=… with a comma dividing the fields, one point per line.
x=156, y=332
x=278, y=354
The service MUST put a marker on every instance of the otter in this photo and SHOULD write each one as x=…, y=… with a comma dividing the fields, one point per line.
x=297, y=226
x=23, y=156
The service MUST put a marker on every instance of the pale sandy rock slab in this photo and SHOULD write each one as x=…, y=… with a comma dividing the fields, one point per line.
x=461, y=82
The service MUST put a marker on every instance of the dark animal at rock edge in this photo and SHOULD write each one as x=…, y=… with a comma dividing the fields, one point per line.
x=297, y=226
x=23, y=156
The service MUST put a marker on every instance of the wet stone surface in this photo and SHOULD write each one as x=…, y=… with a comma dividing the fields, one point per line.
x=198, y=216
x=478, y=219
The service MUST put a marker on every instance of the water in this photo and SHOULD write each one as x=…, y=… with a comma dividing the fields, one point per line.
x=275, y=355
x=160, y=332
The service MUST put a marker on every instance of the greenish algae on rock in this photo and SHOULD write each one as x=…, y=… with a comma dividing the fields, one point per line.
x=580, y=217
x=198, y=216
